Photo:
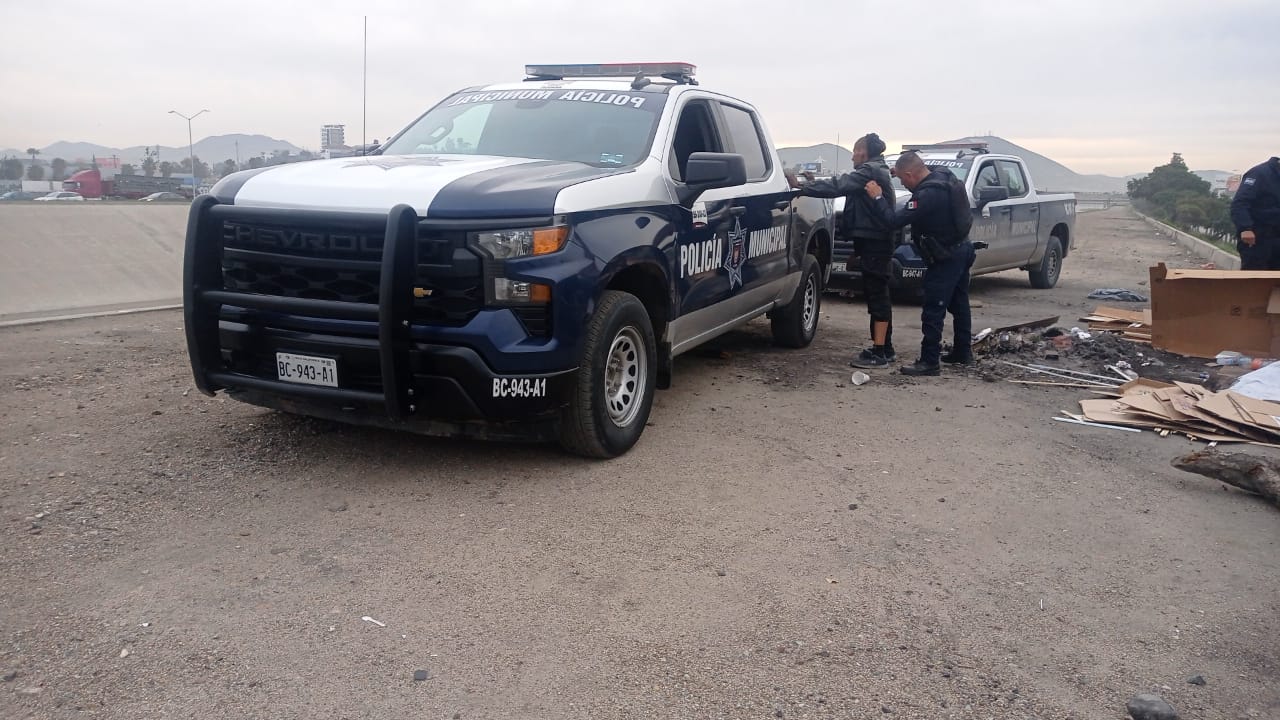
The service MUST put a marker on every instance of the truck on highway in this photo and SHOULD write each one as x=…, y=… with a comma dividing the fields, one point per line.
x=92, y=184
x=523, y=261
x=1020, y=227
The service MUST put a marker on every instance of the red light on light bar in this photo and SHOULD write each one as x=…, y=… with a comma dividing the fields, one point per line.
x=612, y=70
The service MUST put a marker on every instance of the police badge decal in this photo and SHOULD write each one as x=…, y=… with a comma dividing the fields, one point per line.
x=736, y=256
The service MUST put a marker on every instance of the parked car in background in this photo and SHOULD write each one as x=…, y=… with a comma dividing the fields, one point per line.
x=15, y=195
x=164, y=197
x=59, y=196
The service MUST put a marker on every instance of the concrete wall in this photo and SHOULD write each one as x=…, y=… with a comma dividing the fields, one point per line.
x=63, y=258
x=1214, y=254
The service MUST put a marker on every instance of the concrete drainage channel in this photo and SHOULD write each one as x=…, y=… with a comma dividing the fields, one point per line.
x=1214, y=254
x=67, y=261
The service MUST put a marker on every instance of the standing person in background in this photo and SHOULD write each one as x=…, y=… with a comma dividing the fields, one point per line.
x=872, y=240
x=1255, y=210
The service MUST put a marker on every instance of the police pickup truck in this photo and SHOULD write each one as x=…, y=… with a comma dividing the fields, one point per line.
x=523, y=261
x=1022, y=229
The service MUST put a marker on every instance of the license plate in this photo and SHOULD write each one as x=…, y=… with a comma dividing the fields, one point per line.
x=307, y=369
x=912, y=272
x=838, y=267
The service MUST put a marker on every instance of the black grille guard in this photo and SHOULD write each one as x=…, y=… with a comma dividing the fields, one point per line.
x=204, y=294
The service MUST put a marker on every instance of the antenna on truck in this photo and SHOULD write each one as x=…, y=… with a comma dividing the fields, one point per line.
x=364, y=91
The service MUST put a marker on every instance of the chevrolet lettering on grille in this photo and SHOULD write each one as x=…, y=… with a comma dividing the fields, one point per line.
x=294, y=239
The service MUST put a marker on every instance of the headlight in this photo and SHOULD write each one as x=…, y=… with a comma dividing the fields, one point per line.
x=508, y=244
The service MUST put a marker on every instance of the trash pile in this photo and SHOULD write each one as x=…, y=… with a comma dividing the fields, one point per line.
x=1132, y=325
x=1182, y=409
x=1111, y=351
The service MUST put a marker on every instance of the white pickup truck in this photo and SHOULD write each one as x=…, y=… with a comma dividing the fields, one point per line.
x=1022, y=228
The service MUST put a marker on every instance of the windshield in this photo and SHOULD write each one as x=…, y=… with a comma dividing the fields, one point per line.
x=596, y=127
x=959, y=168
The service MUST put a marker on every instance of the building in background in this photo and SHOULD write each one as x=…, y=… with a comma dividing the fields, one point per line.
x=333, y=137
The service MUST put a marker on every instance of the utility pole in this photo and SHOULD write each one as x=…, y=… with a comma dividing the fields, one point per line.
x=191, y=153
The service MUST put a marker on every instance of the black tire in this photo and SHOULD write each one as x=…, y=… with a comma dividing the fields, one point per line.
x=795, y=323
x=1046, y=276
x=617, y=374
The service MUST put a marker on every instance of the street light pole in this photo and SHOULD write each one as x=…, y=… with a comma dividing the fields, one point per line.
x=191, y=153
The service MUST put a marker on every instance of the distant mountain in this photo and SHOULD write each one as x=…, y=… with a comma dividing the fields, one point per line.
x=1049, y=174
x=213, y=149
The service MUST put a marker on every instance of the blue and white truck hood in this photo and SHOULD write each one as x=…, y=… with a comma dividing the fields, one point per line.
x=441, y=186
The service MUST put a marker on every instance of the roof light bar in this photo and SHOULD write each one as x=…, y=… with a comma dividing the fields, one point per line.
x=627, y=70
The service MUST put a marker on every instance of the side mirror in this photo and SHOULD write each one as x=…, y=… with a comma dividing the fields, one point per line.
x=707, y=171
x=989, y=195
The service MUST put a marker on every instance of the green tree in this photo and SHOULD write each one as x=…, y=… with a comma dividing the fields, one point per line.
x=33, y=153
x=255, y=163
x=10, y=169
x=1175, y=194
x=228, y=167
x=59, y=168
x=128, y=169
x=35, y=172
x=166, y=168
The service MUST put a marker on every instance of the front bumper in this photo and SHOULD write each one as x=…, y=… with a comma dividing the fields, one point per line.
x=907, y=269
x=393, y=370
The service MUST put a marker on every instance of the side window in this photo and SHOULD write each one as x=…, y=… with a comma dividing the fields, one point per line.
x=987, y=177
x=1013, y=178
x=695, y=132
x=746, y=138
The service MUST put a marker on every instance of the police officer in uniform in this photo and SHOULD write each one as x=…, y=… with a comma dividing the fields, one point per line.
x=872, y=239
x=1255, y=210
x=947, y=251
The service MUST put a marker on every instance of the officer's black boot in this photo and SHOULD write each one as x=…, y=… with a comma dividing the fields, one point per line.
x=922, y=369
x=956, y=357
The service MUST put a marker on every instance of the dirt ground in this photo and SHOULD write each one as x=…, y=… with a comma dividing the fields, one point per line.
x=781, y=544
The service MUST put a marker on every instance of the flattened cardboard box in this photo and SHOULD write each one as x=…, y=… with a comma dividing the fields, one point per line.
x=1200, y=313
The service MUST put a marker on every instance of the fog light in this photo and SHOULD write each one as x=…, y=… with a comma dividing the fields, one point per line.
x=519, y=292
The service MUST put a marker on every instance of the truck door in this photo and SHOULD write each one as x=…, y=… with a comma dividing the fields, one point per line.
x=1024, y=215
x=702, y=233
x=764, y=221
x=991, y=225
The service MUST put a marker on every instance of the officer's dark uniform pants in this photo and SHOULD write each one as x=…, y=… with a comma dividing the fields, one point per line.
x=946, y=289
x=1264, y=254
x=877, y=269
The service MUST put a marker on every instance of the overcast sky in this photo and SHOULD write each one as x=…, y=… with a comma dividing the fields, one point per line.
x=1108, y=86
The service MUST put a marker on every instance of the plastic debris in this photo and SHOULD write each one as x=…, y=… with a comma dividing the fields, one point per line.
x=859, y=378
x=368, y=619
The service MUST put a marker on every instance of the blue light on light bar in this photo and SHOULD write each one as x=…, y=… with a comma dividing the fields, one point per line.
x=627, y=70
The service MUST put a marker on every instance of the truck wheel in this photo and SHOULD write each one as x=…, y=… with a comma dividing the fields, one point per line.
x=1046, y=276
x=610, y=402
x=795, y=324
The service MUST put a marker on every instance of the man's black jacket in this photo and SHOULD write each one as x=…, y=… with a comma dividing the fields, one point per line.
x=928, y=212
x=1256, y=205
x=860, y=222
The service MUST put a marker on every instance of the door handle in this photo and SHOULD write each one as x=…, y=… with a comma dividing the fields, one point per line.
x=738, y=210
x=1005, y=210
x=782, y=204
x=1035, y=208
